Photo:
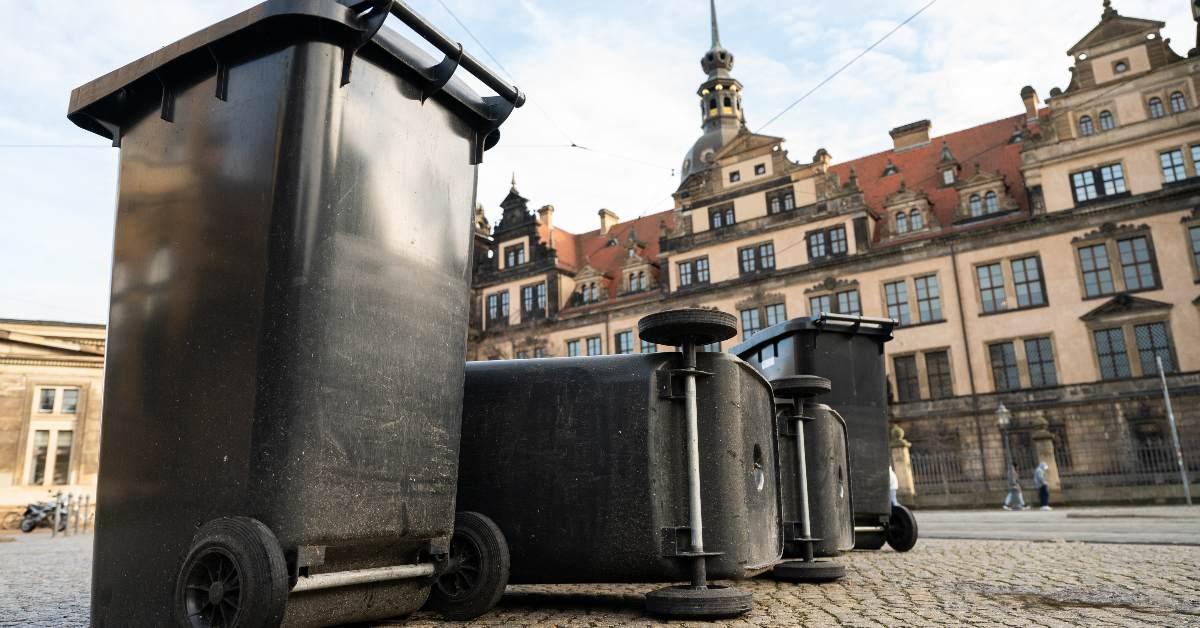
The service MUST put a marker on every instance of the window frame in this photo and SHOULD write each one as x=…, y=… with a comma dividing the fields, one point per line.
x=1040, y=280
x=1086, y=126
x=1176, y=171
x=1155, y=108
x=903, y=308
x=723, y=214
x=760, y=169
x=1180, y=104
x=1006, y=371
x=619, y=342
x=1126, y=330
x=517, y=252
x=533, y=300
x=502, y=308
x=735, y=176
x=573, y=348
x=945, y=381
x=995, y=271
x=933, y=298
x=1047, y=361
x=910, y=384
x=55, y=422
x=599, y=340
x=1097, y=184
x=1107, y=121
x=755, y=263
x=1110, y=243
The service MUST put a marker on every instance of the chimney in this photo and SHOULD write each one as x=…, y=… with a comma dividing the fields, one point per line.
x=1029, y=97
x=607, y=220
x=546, y=218
x=911, y=135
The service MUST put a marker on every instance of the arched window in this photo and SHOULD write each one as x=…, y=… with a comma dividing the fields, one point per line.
x=632, y=281
x=901, y=222
x=915, y=220
x=712, y=106
x=728, y=104
x=1156, y=108
x=1086, y=127
x=1106, y=121
x=1178, y=102
x=642, y=285
x=976, y=205
x=992, y=203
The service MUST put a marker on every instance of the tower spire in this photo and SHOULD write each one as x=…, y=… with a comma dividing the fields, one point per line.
x=716, y=35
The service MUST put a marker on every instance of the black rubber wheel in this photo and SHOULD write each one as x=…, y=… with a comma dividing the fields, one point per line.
x=869, y=540
x=816, y=571
x=27, y=525
x=902, y=529
x=478, y=568
x=234, y=575
x=803, y=385
x=672, y=327
x=711, y=602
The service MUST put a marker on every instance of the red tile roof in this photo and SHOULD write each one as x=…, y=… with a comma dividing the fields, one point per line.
x=990, y=145
x=597, y=250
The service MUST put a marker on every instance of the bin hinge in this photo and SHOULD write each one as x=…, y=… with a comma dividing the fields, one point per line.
x=371, y=15
x=670, y=381
x=677, y=543
x=167, y=105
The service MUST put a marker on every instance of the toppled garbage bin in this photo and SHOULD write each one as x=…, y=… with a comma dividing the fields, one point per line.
x=288, y=318
x=585, y=465
x=848, y=351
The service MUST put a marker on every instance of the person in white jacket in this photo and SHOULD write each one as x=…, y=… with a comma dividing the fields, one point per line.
x=893, y=485
x=1039, y=480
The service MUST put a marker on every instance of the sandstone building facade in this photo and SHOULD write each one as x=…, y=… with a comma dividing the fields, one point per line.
x=1045, y=261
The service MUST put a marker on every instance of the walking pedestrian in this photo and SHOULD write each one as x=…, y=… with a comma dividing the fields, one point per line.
x=893, y=486
x=1014, y=490
x=1039, y=480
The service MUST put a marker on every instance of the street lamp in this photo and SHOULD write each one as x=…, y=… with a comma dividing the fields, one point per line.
x=1004, y=419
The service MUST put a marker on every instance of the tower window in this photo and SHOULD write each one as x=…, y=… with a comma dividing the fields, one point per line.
x=1086, y=127
x=760, y=169
x=728, y=105
x=1156, y=107
x=1106, y=121
x=735, y=176
x=1178, y=102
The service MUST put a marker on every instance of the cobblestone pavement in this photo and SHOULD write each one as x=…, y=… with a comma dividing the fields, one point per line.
x=940, y=582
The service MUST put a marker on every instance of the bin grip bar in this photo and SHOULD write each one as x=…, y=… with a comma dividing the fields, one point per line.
x=855, y=321
x=362, y=576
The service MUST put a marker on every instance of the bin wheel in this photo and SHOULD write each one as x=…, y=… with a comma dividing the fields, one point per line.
x=804, y=385
x=869, y=540
x=815, y=571
x=234, y=575
x=685, y=601
x=478, y=568
x=672, y=327
x=902, y=529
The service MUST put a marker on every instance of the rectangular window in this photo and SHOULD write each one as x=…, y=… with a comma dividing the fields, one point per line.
x=837, y=241
x=1152, y=343
x=1108, y=180
x=1195, y=156
x=693, y=272
x=929, y=299
x=760, y=169
x=896, y=294
x=1097, y=275
x=766, y=256
x=522, y=355
x=735, y=176
x=848, y=303
x=649, y=347
x=937, y=369
x=1194, y=235
x=62, y=456
x=593, y=346
x=514, y=255
x=746, y=260
x=751, y=323
x=780, y=201
x=1004, y=366
x=46, y=400
x=776, y=314
x=991, y=287
x=702, y=270
x=572, y=348
x=498, y=306
x=756, y=258
x=41, y=450
x=624, y=342
x=721, y=216
x=908, y=384
x=1172, y=166
x=1110, y=351
x=816, y=245
x=1039, y=355
x=533, y=299
x=818, y=305
x=1027, y=281
x=70, y=401
x=1136, y=265
x=539, y=352
x=685, y=274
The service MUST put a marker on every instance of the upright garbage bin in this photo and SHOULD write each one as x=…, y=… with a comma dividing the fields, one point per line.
x=848, y=351
x=584, y=465
x=289, y=313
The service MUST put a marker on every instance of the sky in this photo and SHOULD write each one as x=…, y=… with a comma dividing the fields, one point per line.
x=617, y=78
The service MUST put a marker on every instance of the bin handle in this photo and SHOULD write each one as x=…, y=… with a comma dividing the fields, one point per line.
x=886, y=324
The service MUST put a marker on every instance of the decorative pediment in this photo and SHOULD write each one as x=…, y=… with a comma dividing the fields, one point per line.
x=1110, y=230
x=1114, y=26
x=830, y=284
x=980, y=179
x=746, y=141
x=47, y=347
x=760, y=298
x=1124, y=305
x=588, y=272
x=906, y=197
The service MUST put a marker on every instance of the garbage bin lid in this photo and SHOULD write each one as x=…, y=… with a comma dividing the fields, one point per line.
x=880, y=328
x=105, y=104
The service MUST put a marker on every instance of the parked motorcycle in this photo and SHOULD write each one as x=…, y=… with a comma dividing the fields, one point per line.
x=42, y=514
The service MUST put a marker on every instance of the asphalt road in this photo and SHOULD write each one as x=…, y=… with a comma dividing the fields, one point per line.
x=1152, y=525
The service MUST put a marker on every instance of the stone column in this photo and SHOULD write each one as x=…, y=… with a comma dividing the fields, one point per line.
x=1043, y=442
x=902, y=465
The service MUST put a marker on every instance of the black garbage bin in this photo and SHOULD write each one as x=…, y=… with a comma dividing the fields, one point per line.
x=848, y=351
x=583, y=463
x=288, y=318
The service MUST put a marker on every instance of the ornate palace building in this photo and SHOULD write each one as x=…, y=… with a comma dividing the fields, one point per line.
x=1045, y=260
